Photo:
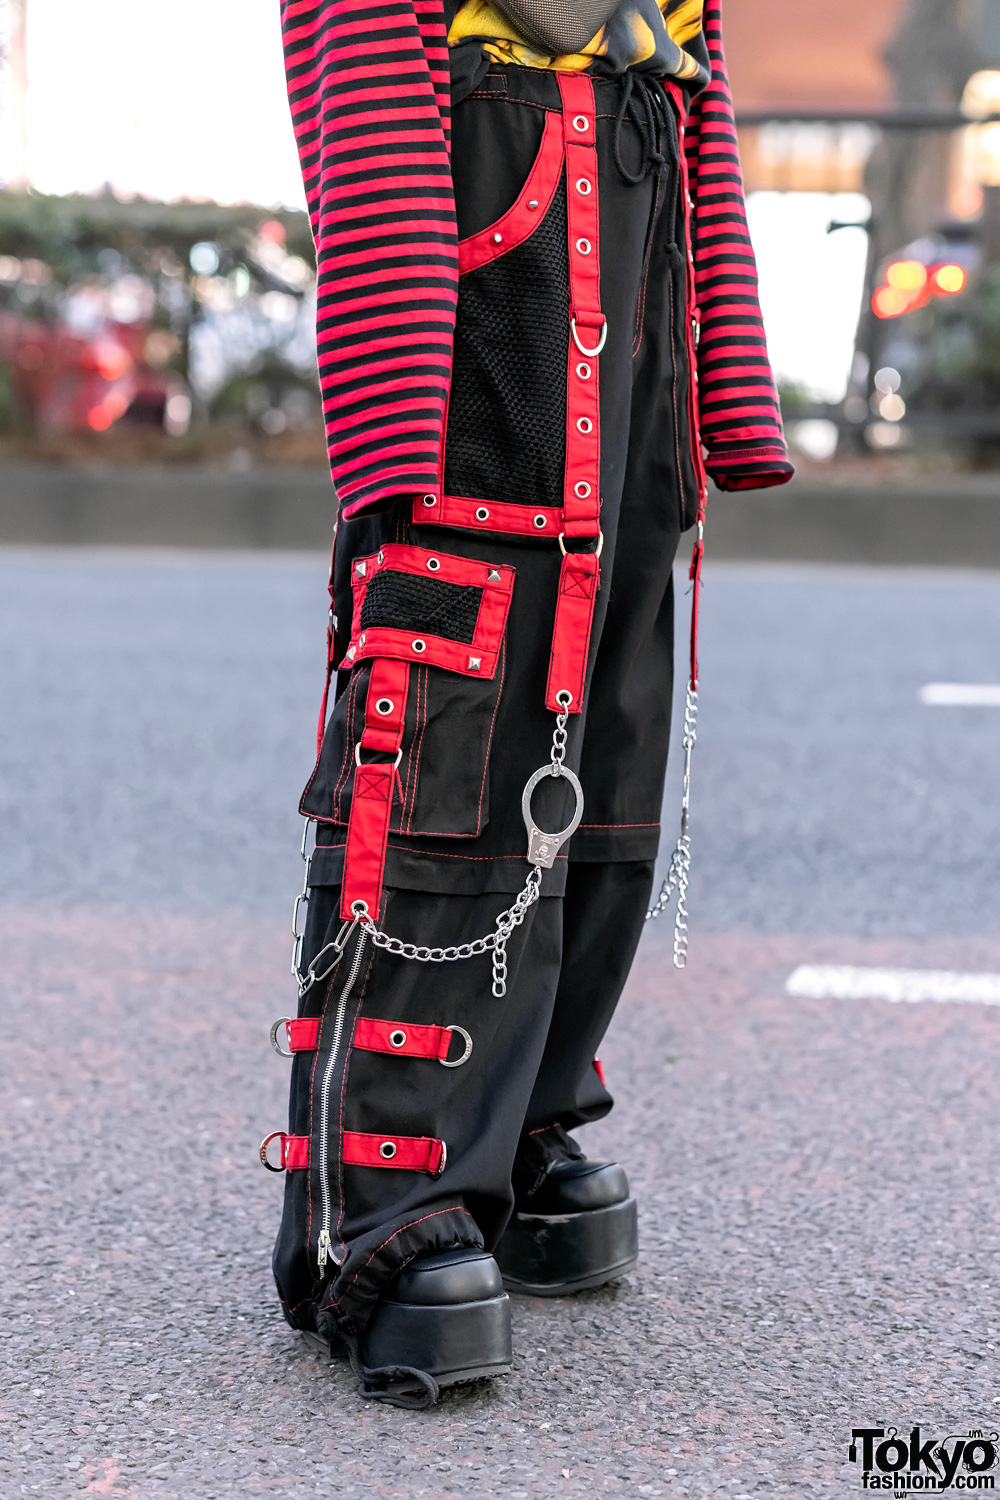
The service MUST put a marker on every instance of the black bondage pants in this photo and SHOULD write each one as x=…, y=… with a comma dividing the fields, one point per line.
x=393, y=1151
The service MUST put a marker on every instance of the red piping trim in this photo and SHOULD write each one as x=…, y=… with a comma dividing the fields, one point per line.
x=519, y=222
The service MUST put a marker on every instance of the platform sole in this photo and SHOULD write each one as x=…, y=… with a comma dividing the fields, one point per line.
x=454, y=1343
x=543, y=1255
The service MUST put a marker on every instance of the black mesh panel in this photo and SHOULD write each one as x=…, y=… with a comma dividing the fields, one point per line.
x=507, y=415
x=401, y=602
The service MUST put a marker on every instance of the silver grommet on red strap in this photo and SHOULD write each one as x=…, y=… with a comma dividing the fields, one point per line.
x=584, y=246
x=581, y=123
x=482, y=514
x=584, y=425
x=581, y=489
x=465, y=1055
x=384, y=706
x=419, y=646
x=387, y=1150
x=434, y=564
x=541, y=522
x=429, y=500
x=397, y=1038
x=584, y=187
x=583, y=371
x=276, y=1135
x=281, y=1021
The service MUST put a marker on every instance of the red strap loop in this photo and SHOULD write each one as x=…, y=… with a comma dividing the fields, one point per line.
x=402, y=1038
x=409, y=1153
x=374, y=787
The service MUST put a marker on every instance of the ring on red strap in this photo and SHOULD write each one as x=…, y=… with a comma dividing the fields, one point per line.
x=465, y=1055
x=357, y=757
x=600, y=549
x=276, y=1135
x=281, y=1021
x=590, y=353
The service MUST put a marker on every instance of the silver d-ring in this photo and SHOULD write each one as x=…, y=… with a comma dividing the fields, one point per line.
x=281, y=1021
x=274, y=1136
x=543, y=847
x=590, y=353
x=465, y=1055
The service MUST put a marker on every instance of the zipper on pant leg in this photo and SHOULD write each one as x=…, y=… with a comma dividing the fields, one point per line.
x=324, y=1247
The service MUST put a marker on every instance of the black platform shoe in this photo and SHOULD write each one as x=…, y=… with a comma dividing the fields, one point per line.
x=574, y=1224
x=442, y=1320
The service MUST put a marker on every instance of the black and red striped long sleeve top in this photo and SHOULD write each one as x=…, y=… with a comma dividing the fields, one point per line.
x=369, y=89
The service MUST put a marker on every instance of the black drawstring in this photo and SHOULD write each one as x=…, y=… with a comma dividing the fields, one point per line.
x=376, y=1385
x=644, y=102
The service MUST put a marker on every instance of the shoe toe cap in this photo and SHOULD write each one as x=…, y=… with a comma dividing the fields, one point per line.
x=572, y=1187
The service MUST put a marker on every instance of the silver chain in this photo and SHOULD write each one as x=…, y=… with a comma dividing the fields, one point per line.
x=679, y=872
x=494, y=942
x=559, y=738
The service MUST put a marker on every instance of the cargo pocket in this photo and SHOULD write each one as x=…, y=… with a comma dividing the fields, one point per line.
x=442, y=619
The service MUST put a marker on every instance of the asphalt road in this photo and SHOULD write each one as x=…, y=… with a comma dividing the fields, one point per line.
x=820, y=1204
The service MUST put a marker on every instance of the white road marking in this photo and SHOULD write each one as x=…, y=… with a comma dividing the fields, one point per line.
x=961, y=694
x=847, y=982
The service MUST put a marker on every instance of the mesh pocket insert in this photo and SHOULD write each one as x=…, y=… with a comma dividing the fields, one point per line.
x=399, y=601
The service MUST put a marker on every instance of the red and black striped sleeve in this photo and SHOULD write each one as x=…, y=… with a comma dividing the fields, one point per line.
x=740, y=416
x=369, y=89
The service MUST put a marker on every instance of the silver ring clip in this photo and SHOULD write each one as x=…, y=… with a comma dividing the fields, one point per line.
x=281, y=1021
x=590, y=353
x=465, y=1055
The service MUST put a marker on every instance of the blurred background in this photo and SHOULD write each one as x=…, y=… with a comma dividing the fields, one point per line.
x=156, y=274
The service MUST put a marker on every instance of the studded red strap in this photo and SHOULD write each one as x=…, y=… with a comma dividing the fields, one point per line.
x=410, y=1153
x=374, y=786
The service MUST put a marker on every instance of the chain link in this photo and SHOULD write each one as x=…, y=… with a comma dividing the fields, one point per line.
x=494, y=942
x=559, y=738
x=679, y=871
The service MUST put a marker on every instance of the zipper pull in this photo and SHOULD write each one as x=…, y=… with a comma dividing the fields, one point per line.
x=323, y=1248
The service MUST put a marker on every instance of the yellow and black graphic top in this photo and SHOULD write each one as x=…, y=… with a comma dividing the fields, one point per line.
x=665, y=39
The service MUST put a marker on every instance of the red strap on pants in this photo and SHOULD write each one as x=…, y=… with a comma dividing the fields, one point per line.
x=579, y=580
x=411, y=1153
x=401, y=1038
x=579, y=576
x=302, y=1034
x=374, y=786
